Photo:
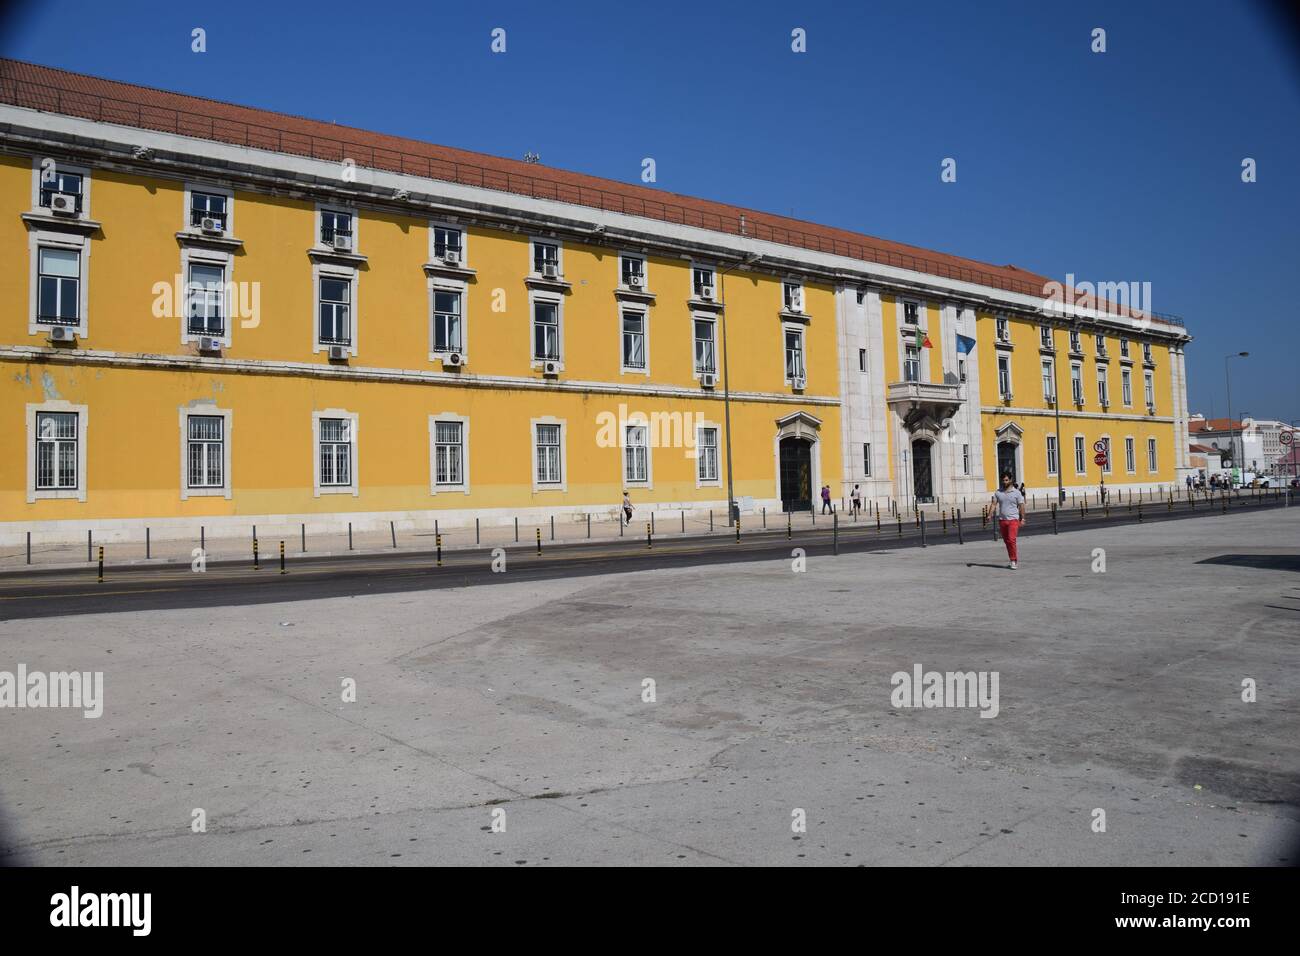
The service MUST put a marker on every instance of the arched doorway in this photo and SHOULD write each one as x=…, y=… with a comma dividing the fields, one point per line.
x=922, y=471
x=796, y=474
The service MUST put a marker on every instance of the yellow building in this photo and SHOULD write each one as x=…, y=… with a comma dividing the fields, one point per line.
x=220, y=315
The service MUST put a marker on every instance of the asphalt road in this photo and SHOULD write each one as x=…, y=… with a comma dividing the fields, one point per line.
x=40, y=593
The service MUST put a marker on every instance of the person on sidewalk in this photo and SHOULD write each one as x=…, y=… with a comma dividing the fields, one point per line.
x=1009, y=509
x=826, y=499
x=627, y=509
x=856, y=499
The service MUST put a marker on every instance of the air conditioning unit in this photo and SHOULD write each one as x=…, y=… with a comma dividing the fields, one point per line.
x=1105, y=403
x=63, y=333
x=799, y=383
x=453, y=360
x=1151, y=409
x=796, y=303
x=551, y=369
x=451, y=257
x=708, y=379
x=338, y=353
x=63, y=204
x=550, y=270
x=636, y=281
x=1004, y=335
x=706, y=293
x=211, y=224
x=342, y=242
x=209, y=344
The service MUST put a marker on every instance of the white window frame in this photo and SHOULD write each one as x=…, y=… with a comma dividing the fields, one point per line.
x=1009, y=391
x=866, y=459
x=563, y=483
x=1049, y=379
x=196, y=187
x=1045, y=340
x=1100, y=341
x=57, y=407
x=347, y=274
x=1077, y=395
x=716, y=481
x=533, y=243
x=436, y=285
x=644, y=314
x=1053, y=455
x=908, y=360
x=41, y=239
x=1080, y=454
x=965, y=459
x=354, y=487
x=205, y=409
x=788, y=328
x=903, y=305
x=862, y=360
x=352, y=212
x=636, y=421
x=209, y=257
x=1149, y=388
x=789, y=286
x=463, y=486
x=645, y=270
x=1103, y=387
x=696, y=371
x=1124, y=348
x=435, y=225
x=547, y=299
x=60, y=167
x=1130, y=455
x=1126, y=385
x=712, y=269
x=1076, y=342
x=1002, y=329
x=1153, y=460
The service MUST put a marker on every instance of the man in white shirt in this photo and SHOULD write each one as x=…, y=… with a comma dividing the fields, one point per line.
x=1009, y=511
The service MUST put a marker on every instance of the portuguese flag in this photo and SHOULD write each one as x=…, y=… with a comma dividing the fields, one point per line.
x=922, y=340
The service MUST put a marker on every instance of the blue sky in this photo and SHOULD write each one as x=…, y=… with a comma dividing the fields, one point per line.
x=1122, y=166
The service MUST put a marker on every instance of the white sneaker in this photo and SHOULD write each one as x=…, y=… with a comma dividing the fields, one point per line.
x=1013, y=565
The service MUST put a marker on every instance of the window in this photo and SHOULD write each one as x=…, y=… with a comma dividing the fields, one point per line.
x=1151, y=456
x=1004, y=376
x=1146, y=352
x=961, y=369
x=448, y=454
x=1074, y=342
x=548, y=454
x=334, y=223
x=1049, y=383
x=632, y=269
x=546, y=331
x=447, y=330
x=54, y=181
x=707, y=450
x=1045, y=336
x=862, y=360
x=208, y=206
x=911, y=364
x=206, y=292
x=1149, y=390
x=1129, y=463
x=704, y=346
x=59, y=284
x=866, y=459
x=702, y=283
x=794, y=354
x=335, y=311
x=335, y=452
x=448, y=240
x=965, y=459
x=205, y=451
x=1080, y=456
x=1109, y=460
x=792, y=295
x=1076, y=383
x=1003, y=329
x=1123, y=348
x=1126, y=385
x=634, y=341
x=912, y=313
x=1101, y=345
x=56, y=451
x=636, y=467
x=1051, y=455
x=1103, y=395
x=546, y=254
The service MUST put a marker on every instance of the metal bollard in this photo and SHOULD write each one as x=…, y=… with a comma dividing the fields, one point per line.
x=29, y=547
x=89, y=545
x=1139, y=509
x=588, y=524
x=350, y=534
x=789, y=525
x=437, y=541
x=539, y=541
x=943, y=516
x=101, y=564
x=1054, y=529
x=961, y=539
x=900, y=525
x=552, y=527
x=304, y=537
x=877, y=521
x=835, y=533
x=392, y=530
x=256, y=566
x=765, y=518
x=146, y=543
x=648, y=543
x=479, y=540
x=516, y=531
x=202, y=544
x=683, y=521
x=652, y=521
x=922, y=527
x=737, y=529
x=282, y=568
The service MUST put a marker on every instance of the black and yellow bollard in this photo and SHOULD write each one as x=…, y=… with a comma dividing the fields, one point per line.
x=877, y=521
x=101, y=564
x=737, y=529
x=789, y=525
x=282, y=568
x=1139, y=510
x=649, y=543
x=900, y=525
x=539, y=540
x=437, y=543
x=256, y=566
x=943, y=515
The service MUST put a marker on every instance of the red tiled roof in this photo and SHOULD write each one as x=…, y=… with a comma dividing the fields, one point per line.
x=1213, y=425
x=60, y=91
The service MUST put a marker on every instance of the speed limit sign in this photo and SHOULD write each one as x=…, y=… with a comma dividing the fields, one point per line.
x=1286, y=438
x=1099, y=447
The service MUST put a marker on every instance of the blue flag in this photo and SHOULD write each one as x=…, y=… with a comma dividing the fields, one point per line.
x=965, y=344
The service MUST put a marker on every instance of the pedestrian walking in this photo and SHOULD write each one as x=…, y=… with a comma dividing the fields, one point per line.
x=826, y=499
x=856, y=499
x=1009, y=506
x=627, y=509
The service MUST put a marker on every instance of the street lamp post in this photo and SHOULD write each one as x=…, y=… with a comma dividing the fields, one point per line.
x=748, y=260
x=1227, y=377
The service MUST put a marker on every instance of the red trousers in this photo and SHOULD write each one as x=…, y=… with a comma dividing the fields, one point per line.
x=1010, y=530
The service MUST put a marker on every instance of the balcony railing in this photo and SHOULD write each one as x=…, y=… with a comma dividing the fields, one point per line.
x=105, y=109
